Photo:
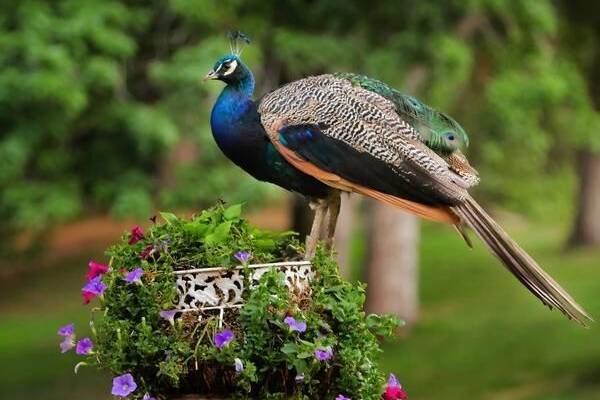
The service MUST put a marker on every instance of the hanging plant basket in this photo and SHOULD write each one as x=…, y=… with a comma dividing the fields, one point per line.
x=211, y=307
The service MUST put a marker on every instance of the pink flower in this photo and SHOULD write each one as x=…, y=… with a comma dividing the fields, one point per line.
x=393, y=390
x=96, y=269
x=137, y=234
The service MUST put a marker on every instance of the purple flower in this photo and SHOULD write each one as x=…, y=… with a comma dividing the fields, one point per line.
x=135, y=276
x=93, y=288
x=67, y=344
x=67, y=330
x=147, y=252
x=342, y=397
x=95, y=269
x=123, y=385
x=239, y=365
x=223, y=338
x=148, y=397
x=324, y=354
x=298, y=326
x=84, y=346
x=137, y=234
x=243, y=256
x=169, y=315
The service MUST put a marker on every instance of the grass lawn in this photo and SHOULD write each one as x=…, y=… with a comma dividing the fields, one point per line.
x=481, y=335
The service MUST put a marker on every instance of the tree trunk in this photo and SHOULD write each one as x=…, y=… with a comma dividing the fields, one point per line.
x=586, y=231
x=393, y=269
x=344, y=231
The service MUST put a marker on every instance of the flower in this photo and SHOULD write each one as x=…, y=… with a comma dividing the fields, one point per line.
x=96, y=269
x=223, y=338
x=95, y=287
x=298, y=326
x=169, y=315
x=67, y=344
x=239, y=365
x=324, y=354
x=299, y=378
x=67, y=330
x=135, y=276
x=393, y=390
x=84, y=346
x=147, y=252
x=243, y=256
x=123, y=385
x=148, y=397
x=137, y=234
x=342, y=397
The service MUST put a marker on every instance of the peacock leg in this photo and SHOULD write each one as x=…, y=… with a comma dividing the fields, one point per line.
x=334, y=202
x=320, y=207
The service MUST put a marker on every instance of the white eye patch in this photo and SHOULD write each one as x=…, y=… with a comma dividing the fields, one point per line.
x=232, y=66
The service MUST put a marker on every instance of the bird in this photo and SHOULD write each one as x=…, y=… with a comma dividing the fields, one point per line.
x=342, y=132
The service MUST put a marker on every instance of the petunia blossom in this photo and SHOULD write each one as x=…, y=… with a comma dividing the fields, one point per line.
x=342, y=397
x=66, y=330
x=223, y=338
x=299, y=378
x=93, y=288
x=135, y=276
x=297, y=326
x=123, y=385
x=147, y=252
x=84, y=346
x=324, y=354
x=239, y=365
x=67, y=344
x=148, y=397
x=95, y=269
x=136, y=235
x=393, y=390
x=169, y=315
x=243, y=256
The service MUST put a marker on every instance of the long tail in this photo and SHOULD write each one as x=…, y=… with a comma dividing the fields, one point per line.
x=518, y=262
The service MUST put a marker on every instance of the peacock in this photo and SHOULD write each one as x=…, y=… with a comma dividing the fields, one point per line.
x=342, y=132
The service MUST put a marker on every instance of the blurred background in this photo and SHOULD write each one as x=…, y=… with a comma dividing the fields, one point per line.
x=104, y=121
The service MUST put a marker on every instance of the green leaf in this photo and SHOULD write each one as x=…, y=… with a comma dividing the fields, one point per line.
x=219, y=234
x=233, y=212
x=170, y=218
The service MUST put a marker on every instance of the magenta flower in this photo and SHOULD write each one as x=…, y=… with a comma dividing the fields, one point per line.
x=137, y=234
x=239, y=365
x=135, y=276
x=169, y=315
x=95, y=269
x=148, y=397
x=147, y=252
x=243, y=256
x=342, y=397
x=223, y=338
x=123, y=385
x=393, y=390
x=84, y=346
x=93, y=288
x=324, y=354
x=297, y=326
x=67, y=330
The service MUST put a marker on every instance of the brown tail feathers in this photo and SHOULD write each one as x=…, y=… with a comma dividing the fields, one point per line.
x=518, y=262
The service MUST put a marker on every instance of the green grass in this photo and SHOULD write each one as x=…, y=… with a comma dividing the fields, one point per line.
x=481, y=336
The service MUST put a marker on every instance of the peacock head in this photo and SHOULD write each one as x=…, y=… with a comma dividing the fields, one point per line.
x=230, y=68
x=449, y=134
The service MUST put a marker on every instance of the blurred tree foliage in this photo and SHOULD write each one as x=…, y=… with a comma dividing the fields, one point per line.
x=99, y=98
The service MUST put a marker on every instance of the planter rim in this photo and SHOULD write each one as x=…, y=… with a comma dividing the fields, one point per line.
x=239, y=267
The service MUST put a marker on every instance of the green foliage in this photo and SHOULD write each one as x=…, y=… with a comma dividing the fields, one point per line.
x=165, y=358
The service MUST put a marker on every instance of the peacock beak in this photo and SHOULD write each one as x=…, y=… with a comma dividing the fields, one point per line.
x=211, y=75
